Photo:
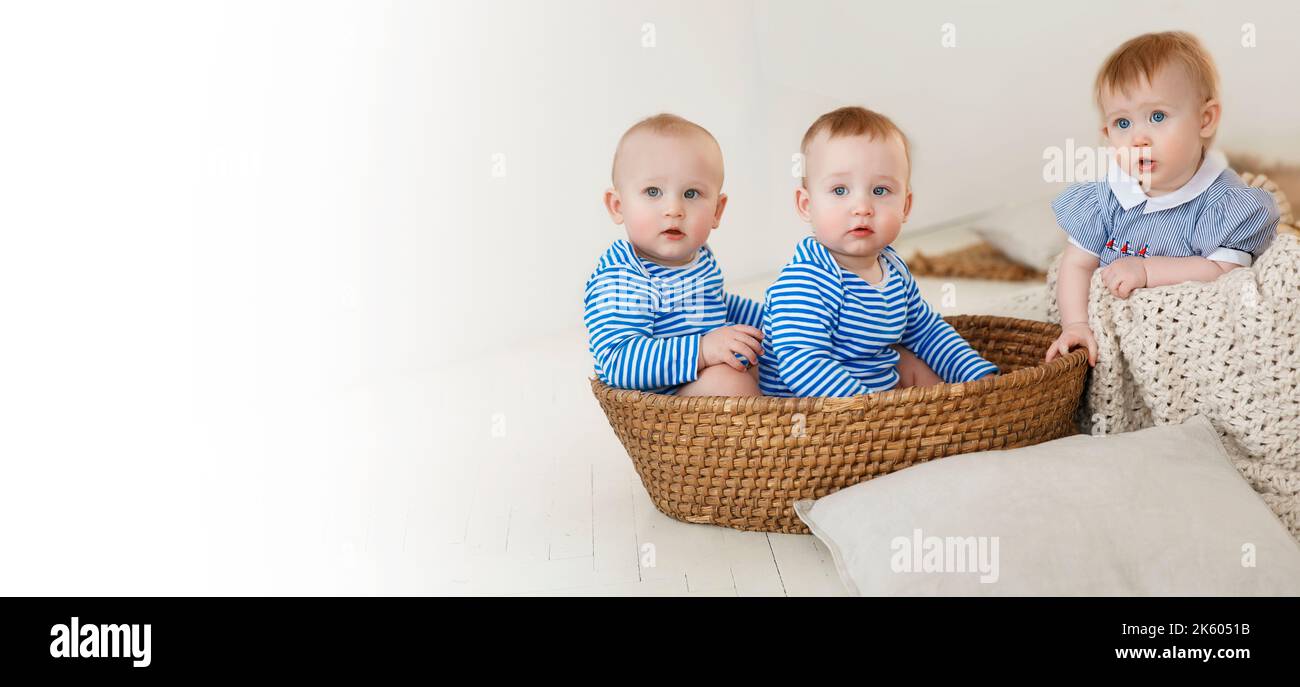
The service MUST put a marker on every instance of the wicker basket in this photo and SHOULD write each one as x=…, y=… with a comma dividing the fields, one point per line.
x=742, y=462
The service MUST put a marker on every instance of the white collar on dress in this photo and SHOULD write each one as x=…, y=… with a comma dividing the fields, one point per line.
x=1129, y=192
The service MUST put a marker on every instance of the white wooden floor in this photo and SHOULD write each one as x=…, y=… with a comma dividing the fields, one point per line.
x=549, y=503
x=535, y=495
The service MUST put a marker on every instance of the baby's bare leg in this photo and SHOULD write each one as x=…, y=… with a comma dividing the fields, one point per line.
x=723, y=380
x=912, y=371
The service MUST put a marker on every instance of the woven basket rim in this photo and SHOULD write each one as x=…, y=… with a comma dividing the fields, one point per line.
x=1022, y=378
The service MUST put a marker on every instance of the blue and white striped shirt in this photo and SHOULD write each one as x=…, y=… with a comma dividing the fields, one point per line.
x=1214, y=215
x=827, y=331
x=645, y=320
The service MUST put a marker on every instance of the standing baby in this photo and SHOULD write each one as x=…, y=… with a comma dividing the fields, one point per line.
x=1170, y=210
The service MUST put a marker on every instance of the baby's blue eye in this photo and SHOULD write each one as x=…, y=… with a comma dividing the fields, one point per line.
x=840, y=190
x=691, y=194
x=1122, y=122
x=880, y=190
x=653, y=191
x=1157, y=116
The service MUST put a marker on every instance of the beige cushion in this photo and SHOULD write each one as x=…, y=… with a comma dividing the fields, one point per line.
x=1026, y=232
x=1159, y=511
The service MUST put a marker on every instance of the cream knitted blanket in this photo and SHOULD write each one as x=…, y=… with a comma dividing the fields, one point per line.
x=1227, y=349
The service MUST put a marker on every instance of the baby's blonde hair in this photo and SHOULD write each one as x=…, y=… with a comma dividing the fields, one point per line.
x=666, y=124
x=1144, y=55
x=856, y=121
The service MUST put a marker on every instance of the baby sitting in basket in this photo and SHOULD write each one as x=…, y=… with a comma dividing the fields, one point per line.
x=845, y=316
x=657, y=317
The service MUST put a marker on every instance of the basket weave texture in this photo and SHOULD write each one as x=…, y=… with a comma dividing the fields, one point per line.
x=979, y=261
x=742, y=462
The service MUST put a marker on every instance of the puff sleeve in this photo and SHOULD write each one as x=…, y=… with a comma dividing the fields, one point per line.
x=1079, y=212
x=1237, y=227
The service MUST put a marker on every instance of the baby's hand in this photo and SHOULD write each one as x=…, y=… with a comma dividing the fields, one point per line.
x=1124, y=275
x=1076, y=334
x=721, y=345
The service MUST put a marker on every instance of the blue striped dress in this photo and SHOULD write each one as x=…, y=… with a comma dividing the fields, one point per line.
x=1214, y=215
x=827, y=331
x=645, y=320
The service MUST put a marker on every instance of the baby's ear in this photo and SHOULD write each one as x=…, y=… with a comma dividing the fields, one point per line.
x=717, y=213
x=801, y=200
x=614, y=205
x=1210, y=112
x=907, y=205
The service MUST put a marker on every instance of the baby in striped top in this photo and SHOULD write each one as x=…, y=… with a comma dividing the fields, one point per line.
x=845, y=316
x=657, y=317
x=1169, y=210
